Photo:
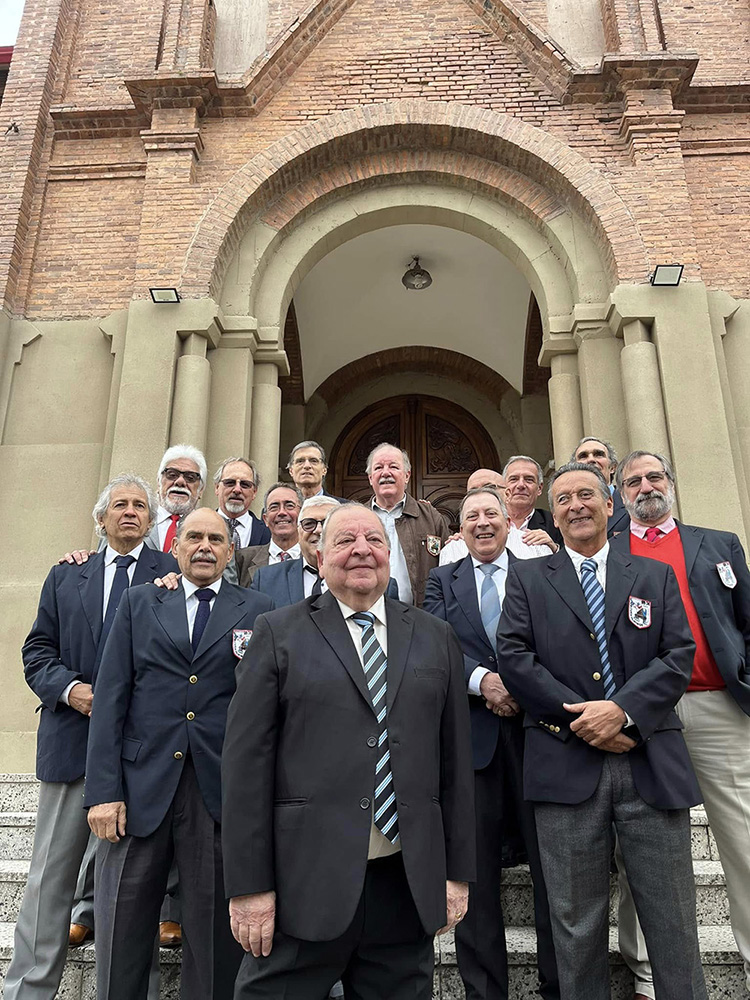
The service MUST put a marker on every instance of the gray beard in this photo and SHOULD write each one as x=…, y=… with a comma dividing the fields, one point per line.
x=180, y=507
x=651, y=508
x=235, y=503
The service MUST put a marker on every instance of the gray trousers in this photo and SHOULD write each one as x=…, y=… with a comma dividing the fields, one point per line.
x=576, y=845
x=40, y=944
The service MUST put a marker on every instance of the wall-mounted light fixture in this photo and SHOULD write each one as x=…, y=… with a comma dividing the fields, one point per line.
x=666, y=275
x=162, y=295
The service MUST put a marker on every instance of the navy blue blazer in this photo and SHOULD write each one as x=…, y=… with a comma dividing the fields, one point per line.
x=451, y=594
x=724, y=611
x=62, y=647
x=260, y=534
x=548, y=654
x=148, y=682
x=543, y=519
x=283, y=583
x=619, y=519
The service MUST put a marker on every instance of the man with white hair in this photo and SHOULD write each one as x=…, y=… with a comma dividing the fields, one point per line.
x=596, y=451
x=532, y=530
x=61, y=659
x=182, y=478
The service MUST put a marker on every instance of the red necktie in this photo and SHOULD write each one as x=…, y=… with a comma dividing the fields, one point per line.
x=652, y=534
x=171, y=532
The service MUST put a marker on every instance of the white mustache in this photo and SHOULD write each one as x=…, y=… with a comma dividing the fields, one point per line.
x=179, y=490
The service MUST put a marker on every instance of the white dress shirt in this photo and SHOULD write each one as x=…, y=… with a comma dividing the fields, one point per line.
x=192, y=602
x=274, y=553
x=110, y=568
x=399, y=570
x=518, y=546
x=458, y=549
x=309, y=578
x=380, y=846
x=499, y=578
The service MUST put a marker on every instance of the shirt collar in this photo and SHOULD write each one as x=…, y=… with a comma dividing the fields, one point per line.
x=274, y=550
x=378, y=609
x=600, y=557
x=501, y=561
x=395, y=511
x=639, y=530
x=111, y=554
x=190, y=588
x=244, y=519
x=162, y=514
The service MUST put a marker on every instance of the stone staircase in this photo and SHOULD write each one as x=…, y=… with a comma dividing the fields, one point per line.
x=724, y=975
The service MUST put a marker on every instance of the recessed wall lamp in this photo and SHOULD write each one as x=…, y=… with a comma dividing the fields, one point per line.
x=666, y=275
x=416, y=278
x=162, y=295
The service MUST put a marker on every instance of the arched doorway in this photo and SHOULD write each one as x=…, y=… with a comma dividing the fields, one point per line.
x=444, y=441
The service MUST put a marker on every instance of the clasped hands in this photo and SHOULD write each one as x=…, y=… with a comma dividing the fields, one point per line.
x=497, y=697
x=600, y=724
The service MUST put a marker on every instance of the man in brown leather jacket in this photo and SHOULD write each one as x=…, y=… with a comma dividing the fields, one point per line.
x=416, y=530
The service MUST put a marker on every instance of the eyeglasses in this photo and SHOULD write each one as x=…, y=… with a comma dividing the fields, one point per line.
x=174, y=474
x=288, y=505
x=653, y=477
x=311, y=523
x=306, y=461
x=245, y=484
x=565, y=499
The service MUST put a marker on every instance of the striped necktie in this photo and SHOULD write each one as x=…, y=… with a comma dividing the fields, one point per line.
x=385, y=811
x=490, y=602
x=594, y=594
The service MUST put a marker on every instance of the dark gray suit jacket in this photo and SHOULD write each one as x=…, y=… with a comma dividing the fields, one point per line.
x=284, y=584
x=299, y=765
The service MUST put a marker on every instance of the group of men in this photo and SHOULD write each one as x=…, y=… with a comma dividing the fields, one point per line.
x=353, y=769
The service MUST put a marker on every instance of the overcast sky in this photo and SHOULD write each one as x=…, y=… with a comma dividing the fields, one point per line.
x=10, y=18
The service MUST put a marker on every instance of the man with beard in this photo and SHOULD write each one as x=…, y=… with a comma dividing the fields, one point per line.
x=532, y=530
x=714, y=582
x=182, y=479
x=236, y=483
x=153, y=780
x=281, y=506
x=594, y=451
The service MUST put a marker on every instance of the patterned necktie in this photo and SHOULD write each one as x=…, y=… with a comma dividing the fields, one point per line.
x=119, y=586
x=234, y=529
x=283, y=556
x=205, y=595
x=594, y=594
x=317, y=587
x=174, y=520
x=375, y=665
x=652, y=534
x=490, y=602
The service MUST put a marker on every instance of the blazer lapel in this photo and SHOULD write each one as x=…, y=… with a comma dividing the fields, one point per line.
x=400, y=629
x=620, y=579
x=692, y=540
x=172, y=616
x=145, y=568
x=563, y=577
x=91, y=590
x=228, y=609
x=327, y=617
x=464, y=590
x=295, y=581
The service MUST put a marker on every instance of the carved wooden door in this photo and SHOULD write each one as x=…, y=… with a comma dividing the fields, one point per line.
x=444, y=441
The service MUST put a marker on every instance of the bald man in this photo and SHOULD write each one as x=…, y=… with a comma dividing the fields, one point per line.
x=456, y=548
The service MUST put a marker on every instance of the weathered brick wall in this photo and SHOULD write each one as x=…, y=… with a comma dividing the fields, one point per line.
x=719, y=30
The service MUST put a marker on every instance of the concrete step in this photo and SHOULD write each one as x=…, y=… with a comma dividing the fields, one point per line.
x=16, y=835
x=723, y=970
x=18, y=793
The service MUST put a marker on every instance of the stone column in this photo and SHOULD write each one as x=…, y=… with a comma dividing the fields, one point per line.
x=602, y=400
x=266, y=424
x=232, y=369
x=565, y=406
x=647, y=424
x=192, y=393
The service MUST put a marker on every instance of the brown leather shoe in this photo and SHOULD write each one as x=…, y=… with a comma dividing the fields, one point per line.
x=170, y=934
x=641, y=996
x=79, y=934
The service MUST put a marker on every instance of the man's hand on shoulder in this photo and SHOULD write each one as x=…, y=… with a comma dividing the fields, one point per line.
x=599, y=722
x=253, y=919
x=169, y=582
x=108, y=820
x=77, y=557
x=81, y=698
x=538, y=536
x=496, y=695
x=456, y=904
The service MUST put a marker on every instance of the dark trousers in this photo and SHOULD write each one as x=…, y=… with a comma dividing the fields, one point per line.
x=131, y=878
x=480, y=937
x=384, y=954
x=576, y=847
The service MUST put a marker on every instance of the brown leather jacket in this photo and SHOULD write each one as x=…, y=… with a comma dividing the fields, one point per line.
x=422, y=530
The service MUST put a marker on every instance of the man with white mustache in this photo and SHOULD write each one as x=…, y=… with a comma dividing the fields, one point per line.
x=714, y=581
x=182, y=478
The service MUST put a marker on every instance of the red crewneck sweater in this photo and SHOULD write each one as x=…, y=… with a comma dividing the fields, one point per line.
x=668, y=549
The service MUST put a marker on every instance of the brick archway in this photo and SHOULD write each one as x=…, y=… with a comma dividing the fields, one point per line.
x=388, y=129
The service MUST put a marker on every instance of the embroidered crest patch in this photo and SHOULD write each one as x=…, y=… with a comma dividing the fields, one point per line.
x=433, y=545
x=240, y=639
x=726, y=575
x=639, y=611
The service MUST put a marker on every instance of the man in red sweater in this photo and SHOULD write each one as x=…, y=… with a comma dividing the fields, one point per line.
x=714, y=582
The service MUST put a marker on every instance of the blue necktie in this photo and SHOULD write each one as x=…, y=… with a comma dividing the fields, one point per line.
x=376, y=664
x=205, y=595
x=490, y=602
x=594, y=594
x=119, y=586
